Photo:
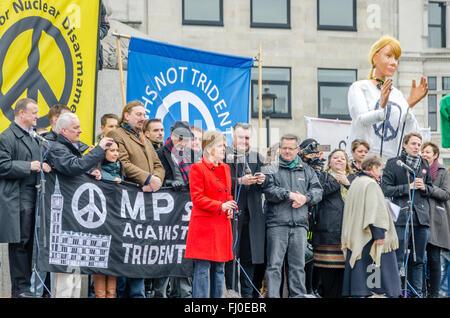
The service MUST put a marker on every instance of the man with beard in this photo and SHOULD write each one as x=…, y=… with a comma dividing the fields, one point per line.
x=140, y=164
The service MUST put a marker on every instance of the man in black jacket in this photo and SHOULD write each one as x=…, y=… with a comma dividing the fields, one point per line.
x=66, y=154
x=154, y=130
x=251, y=224
x=176, y=159
x=19, y=174
x=175, y=155
x=66, y=157
x=395, y=186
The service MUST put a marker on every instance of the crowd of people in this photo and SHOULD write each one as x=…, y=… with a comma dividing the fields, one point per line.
x=253, y=219
x=366, y=224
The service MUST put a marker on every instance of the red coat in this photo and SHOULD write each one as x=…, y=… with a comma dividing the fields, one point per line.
x=209, y=236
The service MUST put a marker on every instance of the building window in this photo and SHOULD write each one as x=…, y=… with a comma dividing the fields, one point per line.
x=333, y=85
x=436, y=25
x=432, y=84
x=445, y=83
x=336, y=15
x=275, y=80
x=203, y=12
x=270, y=14
x=432, y=111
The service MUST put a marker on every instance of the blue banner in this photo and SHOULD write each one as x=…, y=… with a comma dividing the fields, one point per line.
x=207, y=89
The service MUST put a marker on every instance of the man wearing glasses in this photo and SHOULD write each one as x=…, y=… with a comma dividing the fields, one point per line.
x=291, y=186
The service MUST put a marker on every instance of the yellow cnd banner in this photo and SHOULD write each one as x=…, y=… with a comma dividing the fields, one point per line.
x=48, y=52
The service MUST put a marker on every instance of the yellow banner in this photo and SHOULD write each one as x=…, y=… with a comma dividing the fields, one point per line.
x=48, y=52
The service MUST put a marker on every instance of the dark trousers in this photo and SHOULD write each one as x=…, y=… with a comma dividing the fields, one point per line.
x=311, y=278
x=332, y=280
x=258, y=277
x=229, y=276
x=21, y=254
x=415, y=268
x=433, y=270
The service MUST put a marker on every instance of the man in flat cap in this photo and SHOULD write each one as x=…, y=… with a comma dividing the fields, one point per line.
x=176, y=158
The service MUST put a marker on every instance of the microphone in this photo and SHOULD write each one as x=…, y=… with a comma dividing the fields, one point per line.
x=402, y=164
x=38, y=137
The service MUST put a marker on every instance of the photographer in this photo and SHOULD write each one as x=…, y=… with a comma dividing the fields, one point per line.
x=310, y=154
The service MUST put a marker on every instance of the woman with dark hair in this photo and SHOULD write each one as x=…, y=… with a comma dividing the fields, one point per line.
x=327, y=223
x=111, y=168
x=105, y=285
x=369, y=238
x=360, y=148
x=439, y=217
x=209, y=239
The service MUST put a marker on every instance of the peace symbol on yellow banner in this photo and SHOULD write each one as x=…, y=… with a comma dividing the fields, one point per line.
x=48, y=52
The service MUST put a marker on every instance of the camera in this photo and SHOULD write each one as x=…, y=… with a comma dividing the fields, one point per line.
x=315, y=162
x=311, y=148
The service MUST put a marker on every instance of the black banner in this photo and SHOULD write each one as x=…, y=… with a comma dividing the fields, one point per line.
x=101, y=227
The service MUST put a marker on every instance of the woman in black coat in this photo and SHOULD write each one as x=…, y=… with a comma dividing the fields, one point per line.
x=439, y=217
x=328, y=257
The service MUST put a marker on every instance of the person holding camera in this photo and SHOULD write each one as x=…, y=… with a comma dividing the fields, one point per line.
x=247, y=180
x=311, y=155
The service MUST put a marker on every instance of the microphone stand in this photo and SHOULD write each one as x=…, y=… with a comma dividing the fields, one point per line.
x=410, y=203
x=382, y=132
x=40, y=221
x=235, y=219
x=403, y=131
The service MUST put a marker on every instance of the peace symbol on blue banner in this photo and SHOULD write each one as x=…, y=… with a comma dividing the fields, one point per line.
x=207, y=89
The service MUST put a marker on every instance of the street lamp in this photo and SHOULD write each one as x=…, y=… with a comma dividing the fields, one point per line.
x=268, y=104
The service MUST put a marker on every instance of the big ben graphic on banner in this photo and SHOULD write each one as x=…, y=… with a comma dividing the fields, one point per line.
x=48, y=52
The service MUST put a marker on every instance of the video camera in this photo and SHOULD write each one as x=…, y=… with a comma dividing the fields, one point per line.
x=316, y=162
x=311, y=148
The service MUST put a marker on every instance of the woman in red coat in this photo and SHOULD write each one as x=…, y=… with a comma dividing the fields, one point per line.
x=209, y=239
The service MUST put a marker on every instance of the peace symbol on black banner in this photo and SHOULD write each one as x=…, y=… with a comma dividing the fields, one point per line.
x=100, y=227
